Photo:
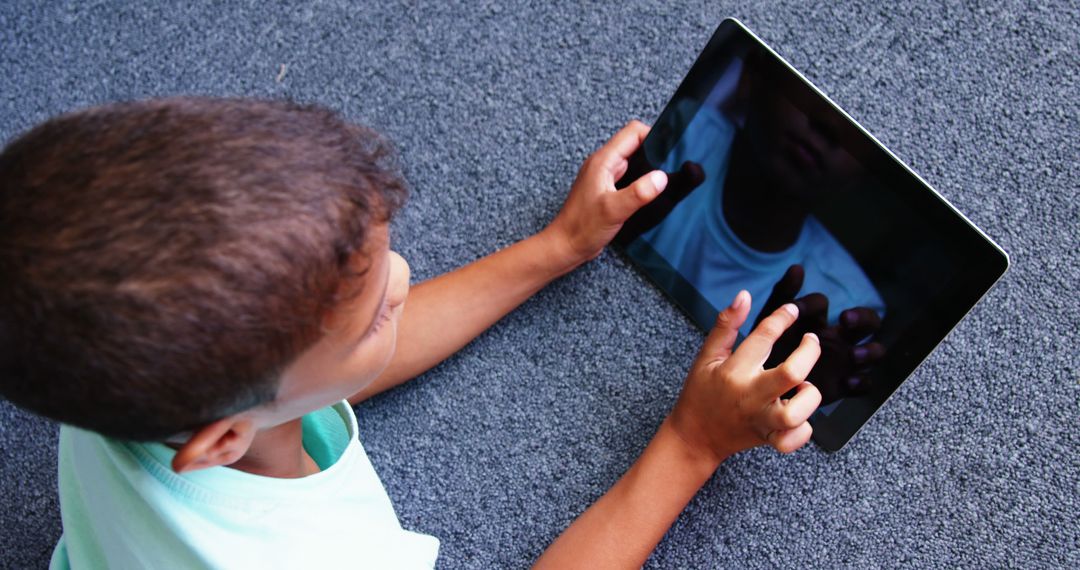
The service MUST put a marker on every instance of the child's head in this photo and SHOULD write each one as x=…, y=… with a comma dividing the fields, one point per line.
x=164, y=263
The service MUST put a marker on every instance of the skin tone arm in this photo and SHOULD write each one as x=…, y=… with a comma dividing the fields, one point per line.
x=729, y=403
x=445, y=313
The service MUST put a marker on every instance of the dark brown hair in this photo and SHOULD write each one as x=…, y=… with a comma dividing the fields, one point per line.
x=162, y=261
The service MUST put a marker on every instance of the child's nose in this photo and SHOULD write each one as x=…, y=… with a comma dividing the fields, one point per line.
x=398, y=288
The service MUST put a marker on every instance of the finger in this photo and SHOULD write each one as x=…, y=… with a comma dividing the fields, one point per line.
x=813, y=311
x=792, y=439
x=755, y=349
x=868, y=353
x=785, y=289
x=858, y=323
x=793, y=371
x=790, y=414
x=721, y=339
x=628, y=200
x=617, y=150
x=689, y=176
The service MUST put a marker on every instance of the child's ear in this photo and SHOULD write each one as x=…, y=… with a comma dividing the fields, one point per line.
x=220, y=443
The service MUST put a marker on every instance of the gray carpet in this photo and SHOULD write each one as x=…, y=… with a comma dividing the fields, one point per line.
x=973, y=463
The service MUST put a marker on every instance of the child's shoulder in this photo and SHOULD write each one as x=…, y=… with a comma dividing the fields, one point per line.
x=219, y=517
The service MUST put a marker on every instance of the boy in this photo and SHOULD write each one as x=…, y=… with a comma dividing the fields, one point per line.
x=194, y=287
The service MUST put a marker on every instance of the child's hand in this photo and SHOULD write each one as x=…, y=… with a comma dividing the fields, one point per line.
x=595, y=211
x=730, y=402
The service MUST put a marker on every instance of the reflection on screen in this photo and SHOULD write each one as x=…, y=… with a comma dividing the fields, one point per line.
x=774, y=190
x=750, y=166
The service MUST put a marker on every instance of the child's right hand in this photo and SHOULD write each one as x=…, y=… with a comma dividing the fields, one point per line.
x=595, y=210
x=730, y=403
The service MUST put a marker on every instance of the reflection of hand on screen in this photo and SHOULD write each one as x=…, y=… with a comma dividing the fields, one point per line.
x=842, y=369
x=680, y=183
x=689, y=176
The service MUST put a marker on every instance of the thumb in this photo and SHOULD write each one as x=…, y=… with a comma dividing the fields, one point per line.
x=721, y=339
x=641, y=192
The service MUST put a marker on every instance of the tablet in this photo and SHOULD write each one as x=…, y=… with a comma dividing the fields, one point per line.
x=776, y=190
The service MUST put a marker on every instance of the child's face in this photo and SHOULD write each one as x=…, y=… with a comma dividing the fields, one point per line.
x=359, y=341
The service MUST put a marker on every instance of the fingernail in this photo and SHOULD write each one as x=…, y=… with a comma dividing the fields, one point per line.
x=791, y=308
x=850, y=318
x=814, y=337
x=860, y=352
x=740, y=299
x=659, y=180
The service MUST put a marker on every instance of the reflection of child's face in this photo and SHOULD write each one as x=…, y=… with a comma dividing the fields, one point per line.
x=799, y=152
x=360, y=340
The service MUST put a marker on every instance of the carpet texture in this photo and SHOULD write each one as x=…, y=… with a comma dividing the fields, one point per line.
x=494, y=105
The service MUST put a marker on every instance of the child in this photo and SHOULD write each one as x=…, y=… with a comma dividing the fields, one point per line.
x=194, y=287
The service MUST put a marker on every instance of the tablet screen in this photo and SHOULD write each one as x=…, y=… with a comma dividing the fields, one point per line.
x=773, y=189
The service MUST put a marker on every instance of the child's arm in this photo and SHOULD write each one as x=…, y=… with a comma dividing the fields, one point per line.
x=445, y=313
x=729, y=403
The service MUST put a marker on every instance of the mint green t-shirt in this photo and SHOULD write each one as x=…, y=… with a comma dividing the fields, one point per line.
x=122, y=506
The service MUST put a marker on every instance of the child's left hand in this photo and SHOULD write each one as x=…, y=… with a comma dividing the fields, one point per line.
x=595, y=211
